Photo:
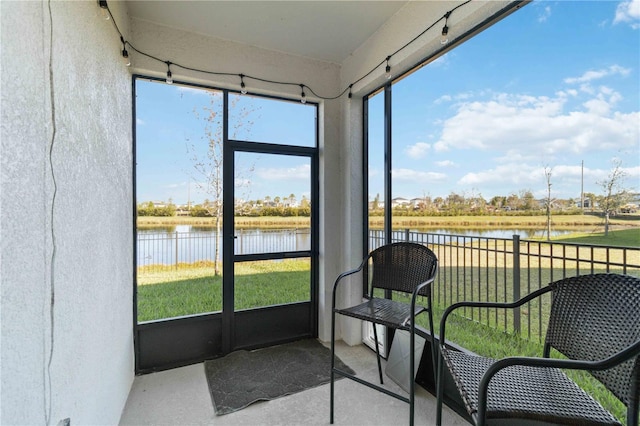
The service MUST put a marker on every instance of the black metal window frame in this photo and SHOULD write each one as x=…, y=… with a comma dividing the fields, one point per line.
x=230, y=147
x=387, y=89
x=388, y=142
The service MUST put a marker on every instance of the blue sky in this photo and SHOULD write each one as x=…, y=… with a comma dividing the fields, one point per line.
x=553, y=85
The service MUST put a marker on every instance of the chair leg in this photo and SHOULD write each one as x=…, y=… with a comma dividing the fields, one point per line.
x=434, y=354
x=412, y=362
x=375, y=338
x=440, y=392
x=333, y=357
x=632, y=414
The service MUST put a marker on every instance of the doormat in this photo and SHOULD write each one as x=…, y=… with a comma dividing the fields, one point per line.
x=244, y=377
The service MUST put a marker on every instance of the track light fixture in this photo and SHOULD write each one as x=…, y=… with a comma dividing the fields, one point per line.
x=444, y=38
x=169, y=76
x=125, y=54
x=243, y=87
x=105, y=9
x=387, y=71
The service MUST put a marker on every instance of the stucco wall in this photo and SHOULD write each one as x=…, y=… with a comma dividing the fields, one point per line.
x=66, y=216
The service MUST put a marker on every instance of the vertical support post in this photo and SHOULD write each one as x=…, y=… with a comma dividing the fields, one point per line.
x=516, y=282
x=176, y=249
x=388, y=225
x=406, y=235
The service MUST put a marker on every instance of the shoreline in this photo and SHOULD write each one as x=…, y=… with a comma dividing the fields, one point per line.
x=425, y=222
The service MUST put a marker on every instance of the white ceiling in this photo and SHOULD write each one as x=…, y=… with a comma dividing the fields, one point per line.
x=320, y=29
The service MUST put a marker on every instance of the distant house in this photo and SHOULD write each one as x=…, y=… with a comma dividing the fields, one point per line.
x=400, y=202
x=416, y=202
x=587, y=203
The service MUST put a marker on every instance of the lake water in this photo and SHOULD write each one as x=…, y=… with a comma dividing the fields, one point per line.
x=188, y=243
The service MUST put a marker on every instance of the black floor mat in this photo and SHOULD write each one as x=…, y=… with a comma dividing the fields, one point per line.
x=244, y=377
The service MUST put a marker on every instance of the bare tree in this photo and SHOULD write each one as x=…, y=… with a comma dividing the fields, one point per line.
x=208, y=167
x=548, y=201
x=615, y=195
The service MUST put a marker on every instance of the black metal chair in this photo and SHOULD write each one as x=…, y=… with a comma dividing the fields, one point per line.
x=594, y=322
x=403, y=267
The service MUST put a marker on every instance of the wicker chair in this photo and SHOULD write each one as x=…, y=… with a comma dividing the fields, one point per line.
x=594, y=322
x=402, y=267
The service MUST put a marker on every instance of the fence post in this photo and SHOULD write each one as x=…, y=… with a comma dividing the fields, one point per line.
x=176, y=249
x=406, y=235
x=516, y=282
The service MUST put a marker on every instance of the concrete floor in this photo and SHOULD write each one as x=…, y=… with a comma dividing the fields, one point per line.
x=181, y=397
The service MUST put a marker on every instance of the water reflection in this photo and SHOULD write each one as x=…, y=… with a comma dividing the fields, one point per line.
x=497, y=233
x=191, y=243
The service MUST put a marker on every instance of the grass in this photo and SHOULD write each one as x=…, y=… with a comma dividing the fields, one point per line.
x=505, y=222
x=423, y=222
x=167, y=292
x=619, y=238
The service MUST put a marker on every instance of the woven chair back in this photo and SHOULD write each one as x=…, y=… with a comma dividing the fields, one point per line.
x=595, y=316
x=402, y=267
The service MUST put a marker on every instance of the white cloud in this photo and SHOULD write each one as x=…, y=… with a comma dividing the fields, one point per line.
x=443, y=98
x=458, y=97
x=565, y=179
x=140, y=122
x=445, y=163
x=597, y=106
x=287, y=173
x=520, y=174
x=540, y=126
x=633, y=173
x=198, y=91
x=628, y=12
x=598, y=74
x=417, y=176
x=176, y=185
x=442, y=61
x=544, y=14
x=419, y=150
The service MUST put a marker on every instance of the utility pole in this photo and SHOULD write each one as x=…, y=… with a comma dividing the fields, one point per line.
x=582, y=188
x=189, y=196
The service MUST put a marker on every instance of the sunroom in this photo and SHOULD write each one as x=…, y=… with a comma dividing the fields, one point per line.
x=79, y=80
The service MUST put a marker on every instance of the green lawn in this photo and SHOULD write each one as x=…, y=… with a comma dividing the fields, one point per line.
x=167, y=292
x=619, y=238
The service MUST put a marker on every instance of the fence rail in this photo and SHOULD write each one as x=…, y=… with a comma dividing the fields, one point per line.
x=504, y=269
x=470, y=267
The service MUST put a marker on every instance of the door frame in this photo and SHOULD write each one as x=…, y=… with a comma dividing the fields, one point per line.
x=255, y=328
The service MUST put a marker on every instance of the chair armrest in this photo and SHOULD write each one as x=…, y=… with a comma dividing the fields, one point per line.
x=506, y=305
x=422, y=285
x=571, y=364
x=343, y=275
